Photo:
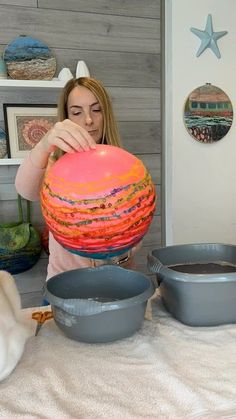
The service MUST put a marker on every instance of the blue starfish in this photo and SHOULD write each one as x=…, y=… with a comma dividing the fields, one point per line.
x=208, y=38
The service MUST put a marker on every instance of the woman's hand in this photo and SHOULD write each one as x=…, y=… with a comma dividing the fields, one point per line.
x=68, y=137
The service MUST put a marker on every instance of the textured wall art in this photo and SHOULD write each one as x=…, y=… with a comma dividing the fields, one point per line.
x=3, y=144
x=208, y=113
x=26, y=125
x=208, y=38
x=3, y=69
x=27, y=58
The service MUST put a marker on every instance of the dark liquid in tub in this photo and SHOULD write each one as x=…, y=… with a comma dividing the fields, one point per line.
x=204, y=268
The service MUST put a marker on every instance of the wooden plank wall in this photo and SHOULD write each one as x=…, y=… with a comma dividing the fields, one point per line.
x=120, y=43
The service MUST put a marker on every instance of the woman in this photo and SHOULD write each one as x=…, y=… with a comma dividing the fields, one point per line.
x=85, y=118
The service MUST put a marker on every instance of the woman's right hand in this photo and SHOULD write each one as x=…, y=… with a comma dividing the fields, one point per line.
x=68, y=137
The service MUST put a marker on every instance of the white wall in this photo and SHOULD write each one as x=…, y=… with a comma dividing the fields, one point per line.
x=200, y=179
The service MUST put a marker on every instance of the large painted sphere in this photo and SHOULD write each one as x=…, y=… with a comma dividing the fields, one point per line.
x=98, y=203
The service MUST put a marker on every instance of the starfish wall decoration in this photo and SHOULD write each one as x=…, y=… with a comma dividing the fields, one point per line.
x=208, y=38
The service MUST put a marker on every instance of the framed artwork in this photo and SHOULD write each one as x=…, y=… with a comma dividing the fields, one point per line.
x=208, y=114
x=25, y=125
x=3, y=144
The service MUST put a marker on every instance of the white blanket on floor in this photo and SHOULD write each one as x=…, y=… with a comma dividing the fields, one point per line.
x=166, y=370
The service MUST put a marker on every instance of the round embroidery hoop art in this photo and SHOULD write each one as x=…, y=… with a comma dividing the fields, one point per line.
x=28, y=58
x=208, y=114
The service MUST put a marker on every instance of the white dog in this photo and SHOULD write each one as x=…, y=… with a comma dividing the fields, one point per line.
x=13, y=333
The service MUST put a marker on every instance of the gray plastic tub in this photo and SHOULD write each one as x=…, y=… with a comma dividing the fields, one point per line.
x=197, y=299
x=99, y=304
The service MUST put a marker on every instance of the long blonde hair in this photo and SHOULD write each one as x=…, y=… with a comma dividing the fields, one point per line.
x=110, y=133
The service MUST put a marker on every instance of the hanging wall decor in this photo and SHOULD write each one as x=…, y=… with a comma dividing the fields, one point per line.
x=3, y=144
x=208, y=113
x=208, y=38
x=3, y=69
x=26, y=124
x=27, y=58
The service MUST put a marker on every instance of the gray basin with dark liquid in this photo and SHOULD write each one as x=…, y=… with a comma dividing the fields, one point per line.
x=197, y=282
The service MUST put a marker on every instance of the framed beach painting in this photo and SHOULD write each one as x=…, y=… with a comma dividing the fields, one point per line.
x=208, y=114
x=25, y=126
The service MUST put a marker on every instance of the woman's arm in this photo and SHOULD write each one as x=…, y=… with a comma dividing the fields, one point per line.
x=66, y=136
x=29, y=179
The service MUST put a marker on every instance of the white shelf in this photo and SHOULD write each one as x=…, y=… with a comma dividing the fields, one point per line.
x=32, y=84
x=10, y=162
